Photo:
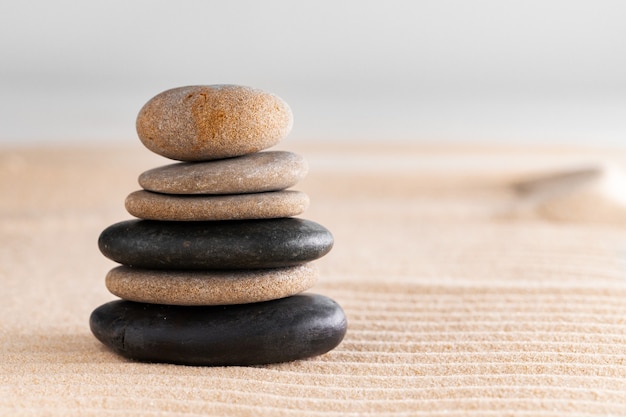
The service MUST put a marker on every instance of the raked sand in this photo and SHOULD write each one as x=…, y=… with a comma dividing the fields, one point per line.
x=461, y=300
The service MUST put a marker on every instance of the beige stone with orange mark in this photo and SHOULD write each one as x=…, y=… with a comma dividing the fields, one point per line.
x=209, y=287
x=202, y=123
x=167, y=207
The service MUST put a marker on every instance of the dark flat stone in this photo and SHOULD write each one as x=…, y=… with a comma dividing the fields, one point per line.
x=282, y=330
x=245, y=244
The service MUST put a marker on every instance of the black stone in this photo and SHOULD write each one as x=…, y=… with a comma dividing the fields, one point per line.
x=282, y=330
x=245, y=244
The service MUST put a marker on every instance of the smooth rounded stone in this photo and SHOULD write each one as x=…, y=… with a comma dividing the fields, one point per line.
x=244, y=244
x=270, y=205
x=209, y=287
x=205, y=122
x=257, y=172
x=274, y=331
x=593, y=193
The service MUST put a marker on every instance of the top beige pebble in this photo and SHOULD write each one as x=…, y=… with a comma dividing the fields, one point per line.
x=202, y=123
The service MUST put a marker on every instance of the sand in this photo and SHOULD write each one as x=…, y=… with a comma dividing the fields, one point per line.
x=455, y=306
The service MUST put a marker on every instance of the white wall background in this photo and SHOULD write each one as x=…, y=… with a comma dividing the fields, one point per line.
x=456, y=70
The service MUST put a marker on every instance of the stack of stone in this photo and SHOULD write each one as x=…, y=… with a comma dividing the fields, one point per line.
x=212, y=272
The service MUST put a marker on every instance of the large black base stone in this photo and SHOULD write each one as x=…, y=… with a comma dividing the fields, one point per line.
x=281, y=330
x=243, y=244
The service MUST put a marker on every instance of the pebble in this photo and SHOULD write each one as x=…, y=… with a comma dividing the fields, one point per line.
x=274, y=331
x=581, y=194
x=270, y=205
x=196, y=288
x=201, y=123
x=243, y=244
x=258, y=172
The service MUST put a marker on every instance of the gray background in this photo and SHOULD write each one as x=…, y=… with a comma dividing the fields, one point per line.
x=548, y=71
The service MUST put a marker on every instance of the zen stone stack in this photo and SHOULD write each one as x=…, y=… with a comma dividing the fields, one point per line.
x=214, y=268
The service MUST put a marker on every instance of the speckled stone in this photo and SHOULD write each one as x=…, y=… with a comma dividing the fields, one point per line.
x=209, y=287
x=274, y=331
x=270, y=205
x=200, y=123
x=244, y=244
x=257, y=172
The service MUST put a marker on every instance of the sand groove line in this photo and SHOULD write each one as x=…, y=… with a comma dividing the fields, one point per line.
x=441, y=402
x=509, y=326
x=483, y=313
x=488, y=349
x=442, y=313
x=100, y=411
x=417, y=413
x=408, y=341
x=550, y=295
x=157, y=390
x=456, y=293
x=306, y=375
x=494, y=353
x=448, y=334
x=467, y=310
x=464, y=367
x=452, y=285
x=352, y=369
x=496, y=379
x=466, y=251
x=470, y=319
x=447, y=347
x=465, y=306
x=421, y=304
x=580, y=381
x=505, y=327
x=500, y=278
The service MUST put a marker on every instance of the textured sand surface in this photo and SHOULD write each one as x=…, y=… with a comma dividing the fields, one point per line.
x=455, y=307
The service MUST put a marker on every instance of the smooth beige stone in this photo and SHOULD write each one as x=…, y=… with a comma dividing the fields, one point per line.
x=195, y=288
x=596, y=193
x=275, y=204
x=257, y=172
x=201, y=123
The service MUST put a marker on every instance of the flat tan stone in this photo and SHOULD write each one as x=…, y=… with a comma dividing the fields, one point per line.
x=205, y=122
x=257, y=172
x=270, y=205
x=195, y=288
